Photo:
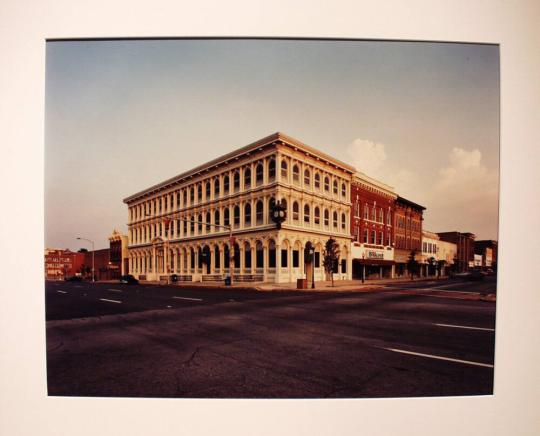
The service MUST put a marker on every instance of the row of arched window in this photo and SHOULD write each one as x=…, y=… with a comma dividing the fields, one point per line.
x=321, y=183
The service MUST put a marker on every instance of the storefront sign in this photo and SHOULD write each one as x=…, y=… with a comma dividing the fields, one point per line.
x=375, y=255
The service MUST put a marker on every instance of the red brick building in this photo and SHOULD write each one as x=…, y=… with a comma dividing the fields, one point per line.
x=465, y=248
x=60, y=264
x=408, y=217
x=372, y=212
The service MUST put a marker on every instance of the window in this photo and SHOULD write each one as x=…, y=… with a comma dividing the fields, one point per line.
x=357, y=209
x=271, y=254
x=226, y=185
x=192, y=226
x=178, y=204
x=326, y=184
x=236, y=215
x=381, y=215
x=284, y=174
x=247, y=256
x=259, y=256
x=216, y=188
x=199, y=193
x=317, y=181
x=366, y=211
x=236, y=181
x=208, y=190
x=284, y=254
x=366, y=236
x=424, y=247
x=216, y=257
x=284, y=204
x=216, y=219
x=326, y=218
x=373, y=237
x=317, y=214
x=295, y=258
x=166, y=202
x=199, y=224
x=295, y=211
x=247, y=178
x=335, y=187
x=271, y=170
x=208, y=226
x=307, y=178
x=259, y=174
x=185, y=228
x=388, y=239
x=343, y=222
x=259, y=212
x=247, y=215
x=381, y=240
x=343, y=266
x=388, y=218
x=296, y=174
x=226, y=217
x=317, y=259
x=306, y=214
x=373, y=214
x=343, y=190
x=334, y=220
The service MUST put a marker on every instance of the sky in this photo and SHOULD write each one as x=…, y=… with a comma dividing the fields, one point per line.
x=123, y=115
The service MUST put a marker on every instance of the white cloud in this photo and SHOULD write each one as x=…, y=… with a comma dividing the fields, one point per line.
x=367, y=156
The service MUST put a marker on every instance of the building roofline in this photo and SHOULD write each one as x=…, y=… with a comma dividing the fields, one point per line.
x=278, y=136
x=403, y=200
x=376, y=183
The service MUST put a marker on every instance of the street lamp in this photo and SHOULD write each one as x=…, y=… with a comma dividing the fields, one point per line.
x=92, y=242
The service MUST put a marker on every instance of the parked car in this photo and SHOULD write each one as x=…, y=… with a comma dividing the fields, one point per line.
x=73, y=279
x=129, y=279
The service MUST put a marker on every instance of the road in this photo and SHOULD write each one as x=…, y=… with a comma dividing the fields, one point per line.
x=148, y=341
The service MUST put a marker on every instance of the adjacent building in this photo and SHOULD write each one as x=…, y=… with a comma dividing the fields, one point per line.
x=430, y=254
x=408, y=217
x=223, y=217
x=465, y=246
x=488, y=250
x=61, y=264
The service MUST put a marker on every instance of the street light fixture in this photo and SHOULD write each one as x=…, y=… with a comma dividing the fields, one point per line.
x=93, y=251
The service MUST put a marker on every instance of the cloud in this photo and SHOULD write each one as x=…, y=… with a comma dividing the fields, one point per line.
x=367, y=156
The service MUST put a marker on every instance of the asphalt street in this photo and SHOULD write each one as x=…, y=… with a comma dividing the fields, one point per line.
x=164, y=341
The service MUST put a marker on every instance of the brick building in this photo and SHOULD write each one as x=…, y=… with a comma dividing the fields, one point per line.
x=408, y=217
x=60, y=264
x=465, y=248
x=372, y=211
x=488, y=250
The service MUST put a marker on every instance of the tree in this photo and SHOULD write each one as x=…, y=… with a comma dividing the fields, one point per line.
x=330, y=257
x=440, y=266
x=82, y=250
x=432, y=262
x=412, y=263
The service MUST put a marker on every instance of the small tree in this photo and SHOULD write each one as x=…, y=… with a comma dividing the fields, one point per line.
x=82, y=250
x=440, y=266
x=432, y=262
x=330, y=257
x=412, y=263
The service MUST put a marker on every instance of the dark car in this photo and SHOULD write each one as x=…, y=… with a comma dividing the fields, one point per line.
x=129, y=279
x=73, y=279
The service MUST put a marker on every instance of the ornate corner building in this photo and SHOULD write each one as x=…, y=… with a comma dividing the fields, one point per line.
x=218, y=218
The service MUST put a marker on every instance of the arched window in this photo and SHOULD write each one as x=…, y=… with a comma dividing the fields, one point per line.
x=366, y=236
x=366, y=211
x=166, y=203
x=335, y=187
x=178, y=203
x=208, y=219
x=284, y=205
x=236, y=181
x=247, y=178
x=334, y=220
x=343, y=222
x=389, y=219
x=373, y=237
x=236, y=256
x=247, y=256
x=216, y=220
x=259, y=170
x=284, y=172
x=317, y=214
x=208, y=190
x=226, y=217
x=295, y=211
x=343, y=190
x=236, y=216
x=296, y=174
x=381, y=238
x=247, y=215
x=307, y=216
x=259, y=255
x=374, y=214
x=381, y=216
x=259, y=212
x=307, y=178
x=216, y=188
x=271, y=170
x=226, y=185
x=326, y=218
x=216, y=257
x=199, y=193
x=199, y=223
x=326, y=184
x=192, y=256
x=317, y=181
x=271, y=254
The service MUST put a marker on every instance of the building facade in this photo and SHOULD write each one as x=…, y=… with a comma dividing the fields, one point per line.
x=61, y=264
x=430, y=254
x=447, y=252
x=372, y=224
x=218, y=218
x=408, y=217
x=464, y=259
x=488, y=250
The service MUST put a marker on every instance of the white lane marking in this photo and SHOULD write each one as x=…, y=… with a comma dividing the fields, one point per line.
x=110, y=301
x=465, y=327
x=186, y=298
x=62, y=292
x=114, y=290
x=445, y=290
x=431, y=356
x=168, y=307
x=77, y=286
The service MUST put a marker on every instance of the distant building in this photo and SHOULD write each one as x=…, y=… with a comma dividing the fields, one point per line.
x=119, y=257
x=408, y=233
x=447, y=252
x=464, y=259
x=488, y=250
x=60, y=264
x=430, y=254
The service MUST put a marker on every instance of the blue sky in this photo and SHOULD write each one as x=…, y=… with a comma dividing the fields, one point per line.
x=122, y=115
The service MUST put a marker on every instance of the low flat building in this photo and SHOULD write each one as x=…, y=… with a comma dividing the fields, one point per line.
x=430, y=254
x=447, y=252
x=488, y=250
x=464, y=259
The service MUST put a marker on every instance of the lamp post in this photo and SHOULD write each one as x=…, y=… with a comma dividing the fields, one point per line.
x=92, y=242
